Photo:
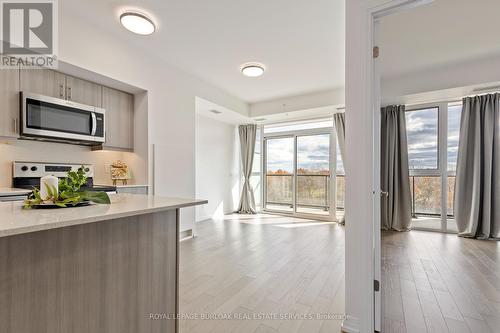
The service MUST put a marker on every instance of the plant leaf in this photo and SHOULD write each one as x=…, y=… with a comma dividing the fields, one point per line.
x=97, y=197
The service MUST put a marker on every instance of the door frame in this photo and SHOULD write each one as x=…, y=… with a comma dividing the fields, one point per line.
x=363, y=242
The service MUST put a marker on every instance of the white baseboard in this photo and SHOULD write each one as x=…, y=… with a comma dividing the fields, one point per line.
x=350, y=325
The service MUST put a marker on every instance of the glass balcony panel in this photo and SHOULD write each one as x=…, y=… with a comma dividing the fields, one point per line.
x=340, y=192
x=279, y=195
x=312, y=194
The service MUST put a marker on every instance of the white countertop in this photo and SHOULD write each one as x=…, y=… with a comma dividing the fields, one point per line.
x=10, y=191
x=15, y=220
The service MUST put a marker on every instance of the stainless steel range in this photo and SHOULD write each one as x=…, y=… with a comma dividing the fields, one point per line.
x=26, y=175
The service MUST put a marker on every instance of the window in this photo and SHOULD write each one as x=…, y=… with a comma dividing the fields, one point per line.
x=432, y=174
x=422, y=133
x=454, y=114
x=340, y=189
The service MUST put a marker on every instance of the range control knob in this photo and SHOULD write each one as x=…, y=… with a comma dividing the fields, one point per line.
x=24, y=168
x=34, y=168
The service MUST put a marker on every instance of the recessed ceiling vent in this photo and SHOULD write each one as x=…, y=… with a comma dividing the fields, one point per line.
x=260, y=119
x=215, y=111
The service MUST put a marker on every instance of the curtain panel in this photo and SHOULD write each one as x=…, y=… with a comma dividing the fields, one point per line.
x=477, y=187
x=247, y=135
x=395, y=199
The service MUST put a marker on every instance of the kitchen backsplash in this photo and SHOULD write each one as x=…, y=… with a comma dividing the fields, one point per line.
x=24, y=150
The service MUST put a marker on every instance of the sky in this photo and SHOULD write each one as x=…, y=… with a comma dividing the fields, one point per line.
x=422, y=132
x=313, y=153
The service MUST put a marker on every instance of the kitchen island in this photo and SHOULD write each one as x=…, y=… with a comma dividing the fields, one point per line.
x=100, y=268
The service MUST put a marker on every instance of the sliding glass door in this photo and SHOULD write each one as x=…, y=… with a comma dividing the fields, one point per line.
x=280, y=173
x=297, y=171
x=313, y=174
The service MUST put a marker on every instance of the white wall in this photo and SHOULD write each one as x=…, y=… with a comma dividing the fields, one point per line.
x=451, y=76
x=217, y=167
x=171, y=97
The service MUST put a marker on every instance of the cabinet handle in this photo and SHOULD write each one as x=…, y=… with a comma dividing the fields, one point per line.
x=69, y=92
x=61, y=91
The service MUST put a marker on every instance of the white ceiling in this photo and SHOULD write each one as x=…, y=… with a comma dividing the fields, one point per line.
x=443, y=32
x=301, y=42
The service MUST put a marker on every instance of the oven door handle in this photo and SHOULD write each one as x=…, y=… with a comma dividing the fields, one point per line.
x=94, y=124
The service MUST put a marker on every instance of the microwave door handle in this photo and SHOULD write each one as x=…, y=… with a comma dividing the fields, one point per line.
x=94, y=124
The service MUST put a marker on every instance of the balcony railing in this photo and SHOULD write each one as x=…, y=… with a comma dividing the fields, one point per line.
x=313, y=191
x=279, y=189
x=426, y=195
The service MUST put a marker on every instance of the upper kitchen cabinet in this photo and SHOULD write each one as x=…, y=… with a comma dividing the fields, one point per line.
x=44, y=82
x=9, y=103
x=119, y=108
x=84, y=92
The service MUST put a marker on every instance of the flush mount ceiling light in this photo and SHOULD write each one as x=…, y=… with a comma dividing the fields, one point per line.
x=137, y=23
x=252, y=69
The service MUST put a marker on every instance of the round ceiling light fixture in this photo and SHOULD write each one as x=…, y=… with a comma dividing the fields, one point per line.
x=137, y=23
x=253, y=69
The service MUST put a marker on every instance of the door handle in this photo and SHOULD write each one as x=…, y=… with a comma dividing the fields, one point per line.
x=61, y=91
x=69, y=92
x=94, y=124
x=384, y=193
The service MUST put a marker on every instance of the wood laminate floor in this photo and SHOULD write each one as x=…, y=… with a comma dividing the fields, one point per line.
x=276, y=265
x=436, y=282
x=431, y=282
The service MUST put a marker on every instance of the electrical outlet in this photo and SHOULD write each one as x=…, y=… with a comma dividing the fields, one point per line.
x=107, y=168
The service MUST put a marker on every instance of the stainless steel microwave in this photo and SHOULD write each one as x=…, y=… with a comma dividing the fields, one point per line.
x=54, y=119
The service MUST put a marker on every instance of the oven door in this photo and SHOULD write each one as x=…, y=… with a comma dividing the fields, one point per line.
x=55, y=118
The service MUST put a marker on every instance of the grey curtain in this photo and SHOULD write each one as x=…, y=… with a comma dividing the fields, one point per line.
x=477, y=187
x=394, y=174
x=339, y=119
x=247, y=146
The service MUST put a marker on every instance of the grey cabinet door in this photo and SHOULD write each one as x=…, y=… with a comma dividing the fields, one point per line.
x=119, y=108
x=84, y=92
x=44, y=82
x=9, y=103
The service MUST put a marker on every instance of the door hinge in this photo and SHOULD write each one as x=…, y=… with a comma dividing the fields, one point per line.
x=376, y=285
x=376, y=52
